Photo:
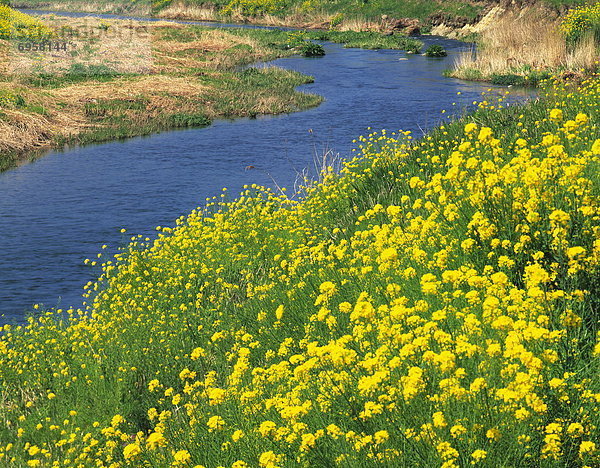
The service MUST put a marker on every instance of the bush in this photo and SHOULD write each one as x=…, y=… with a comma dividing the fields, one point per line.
x=10, y=99
x=336, y=20
x=435, y=51
x=189, y=120
x=412, y=46
x=312, y=49
x=508, y=79
x=530, y=79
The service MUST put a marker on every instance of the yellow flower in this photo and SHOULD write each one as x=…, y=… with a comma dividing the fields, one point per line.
x=187, y=374
x=156, y=439
x=380, y=437
x=327, y=288
x=33, y=450
x=116, y=420
x=389, y=255
x=268, y=460
x=267, y=428
x=556, y=115
x=485, y=134
x=308, y=441
x=438, y=419
x=581, y=119
x=587, y=447
x=573, y=252
x=575, y=428
x=131, y=451
x=470, y=127
x=182, y=457
x=197, y=353
x=215, y=423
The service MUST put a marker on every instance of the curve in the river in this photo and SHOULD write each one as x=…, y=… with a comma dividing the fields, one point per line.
x=59, y=210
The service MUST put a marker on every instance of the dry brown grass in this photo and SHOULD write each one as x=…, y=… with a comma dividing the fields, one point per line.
x=526, y=40
x=125, y=47
x=179, y=10
x=296, y=18
x=138, y=8
x=358, y=24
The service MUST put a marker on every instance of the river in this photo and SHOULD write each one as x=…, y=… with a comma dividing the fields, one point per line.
x=61, y=209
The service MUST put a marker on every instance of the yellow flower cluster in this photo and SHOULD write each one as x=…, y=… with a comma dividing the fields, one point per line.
x=580, y=20
x=434, y=304
x=17, y=25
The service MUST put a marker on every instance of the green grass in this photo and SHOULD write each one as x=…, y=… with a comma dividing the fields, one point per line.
x=566, y=3
x=359, y=39
x=367, y=40
x=235, y=94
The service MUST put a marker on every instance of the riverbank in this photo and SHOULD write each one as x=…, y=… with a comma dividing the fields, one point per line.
x=434, y=301
x=119, y=78
x=507, y=54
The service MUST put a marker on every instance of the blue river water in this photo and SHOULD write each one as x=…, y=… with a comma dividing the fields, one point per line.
x=60, y=209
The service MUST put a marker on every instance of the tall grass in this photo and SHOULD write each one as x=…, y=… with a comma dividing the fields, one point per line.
x=523, y=44
x=433, y=304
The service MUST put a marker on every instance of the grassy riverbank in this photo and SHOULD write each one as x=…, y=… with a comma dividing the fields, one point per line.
x=565, y=46
x=120, y=78
x=434, y=304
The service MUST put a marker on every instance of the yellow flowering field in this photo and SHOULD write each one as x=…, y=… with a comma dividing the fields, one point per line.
x=433, y=304
x=581, y=20
x=14, y=24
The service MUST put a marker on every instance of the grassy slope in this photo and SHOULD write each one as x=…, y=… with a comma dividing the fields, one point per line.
x=437, y=302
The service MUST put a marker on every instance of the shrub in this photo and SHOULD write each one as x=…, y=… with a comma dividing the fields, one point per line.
x=412, y=46
x=312, y=49
x=435, y=51
x=508, y=79
x=189, y=120
x=10, y=99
